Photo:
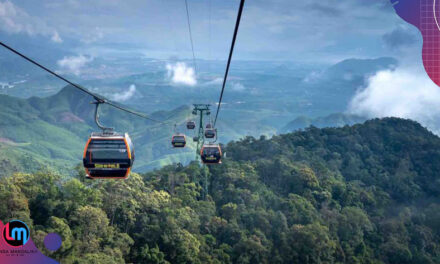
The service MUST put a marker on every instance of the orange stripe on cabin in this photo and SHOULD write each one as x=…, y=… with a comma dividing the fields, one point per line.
x=87, y=146
x=128, y=148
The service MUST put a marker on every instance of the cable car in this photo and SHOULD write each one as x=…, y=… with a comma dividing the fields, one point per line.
x=190, y=125
x=178, y=141
x=211, y=154
x=210, y=133
x=108, y=156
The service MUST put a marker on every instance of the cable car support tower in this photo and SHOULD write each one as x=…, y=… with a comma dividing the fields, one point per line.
x=201, y=110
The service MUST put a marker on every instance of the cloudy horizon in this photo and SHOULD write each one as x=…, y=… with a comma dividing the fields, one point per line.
x=271, y=30
x=81, y=39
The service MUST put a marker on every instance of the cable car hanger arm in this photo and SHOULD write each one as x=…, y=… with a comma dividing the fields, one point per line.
x=101, y=126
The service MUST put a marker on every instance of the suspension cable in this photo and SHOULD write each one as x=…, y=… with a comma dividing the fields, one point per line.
x=231, y=51
x=190, y=36
x=97, y=97
x=209, y=34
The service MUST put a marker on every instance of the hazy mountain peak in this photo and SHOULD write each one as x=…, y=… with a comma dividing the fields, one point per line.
x=361, y=66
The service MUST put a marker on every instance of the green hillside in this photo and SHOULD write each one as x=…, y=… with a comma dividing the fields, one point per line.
x=52, y=131
x=361, y=194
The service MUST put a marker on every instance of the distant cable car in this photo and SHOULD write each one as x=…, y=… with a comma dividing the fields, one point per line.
x=190, y=125
x=210, y=133
x=211, y=154
x=178, y=141
x=108, y=155
x=208, y=126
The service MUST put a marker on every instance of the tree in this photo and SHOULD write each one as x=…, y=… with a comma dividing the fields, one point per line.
x=310, y=244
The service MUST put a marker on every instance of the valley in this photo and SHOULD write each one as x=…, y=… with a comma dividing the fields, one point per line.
x=52, y=130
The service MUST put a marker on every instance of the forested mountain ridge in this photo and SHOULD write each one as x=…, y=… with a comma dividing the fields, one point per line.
x=374, y=152
x=361, y=194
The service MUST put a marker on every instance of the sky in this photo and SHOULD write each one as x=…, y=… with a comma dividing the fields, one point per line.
x=308, y=30
x=303, y=31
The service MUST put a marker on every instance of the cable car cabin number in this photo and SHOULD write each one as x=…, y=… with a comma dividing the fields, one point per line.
x=107, y=166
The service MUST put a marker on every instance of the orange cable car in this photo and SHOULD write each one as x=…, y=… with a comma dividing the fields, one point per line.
x=178, y=141
x=190, y=125
x=108, y=156
x=210, y=133
x=211, y=154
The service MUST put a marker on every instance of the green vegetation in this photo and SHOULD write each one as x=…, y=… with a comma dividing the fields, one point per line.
x=51, y=132
x=362, y=194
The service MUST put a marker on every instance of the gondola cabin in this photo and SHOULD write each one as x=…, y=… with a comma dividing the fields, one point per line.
x=210, y=133
x=190, y=125
x=178, y=141
x=108, y=156
x=211, y=154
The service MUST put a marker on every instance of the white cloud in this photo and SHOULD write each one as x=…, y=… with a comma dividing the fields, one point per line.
x=313, y=77
x=405, y=93
x=232, y=83
x=124, y=96
x=15, y=20
x=238, y=87
x=180, y=73
x=74, y=64
x=56, y=38
x=92, y=36
x=216, y=81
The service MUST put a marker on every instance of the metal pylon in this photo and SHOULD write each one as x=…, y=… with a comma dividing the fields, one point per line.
x=201, y=110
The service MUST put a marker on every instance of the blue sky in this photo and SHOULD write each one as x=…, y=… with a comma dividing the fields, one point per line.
x=310, y=30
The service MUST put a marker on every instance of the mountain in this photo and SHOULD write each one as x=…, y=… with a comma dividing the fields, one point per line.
x=358, y=68
x=51, y=132
x=331, y=90
x=367, y=193
x=333, y=120
x=260, y=96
